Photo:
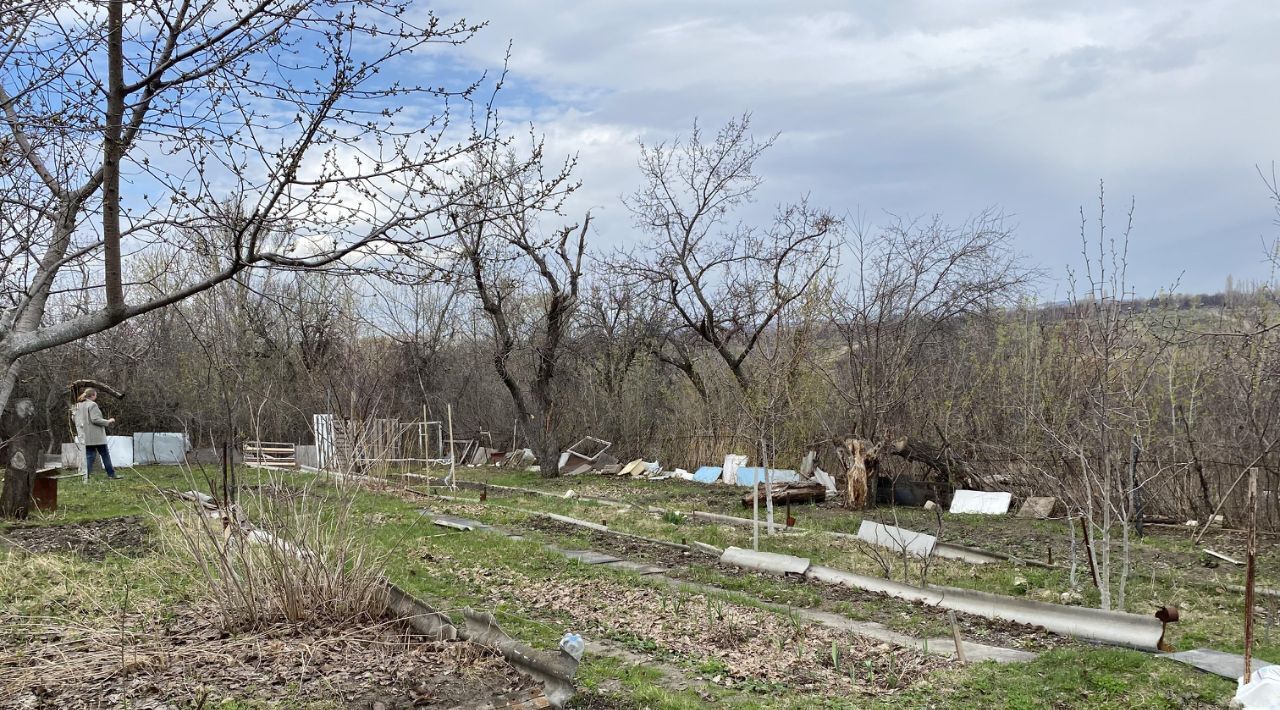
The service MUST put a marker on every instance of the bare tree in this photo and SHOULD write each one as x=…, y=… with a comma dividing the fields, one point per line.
x=287, y=110
x=908, y=288
x=127, y=127
x=505, y=250
x=725, y=282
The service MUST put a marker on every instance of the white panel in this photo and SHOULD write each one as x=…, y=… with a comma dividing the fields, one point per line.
x=729, y=472
x=895, y=538
x=981, y=502
x=121, y=448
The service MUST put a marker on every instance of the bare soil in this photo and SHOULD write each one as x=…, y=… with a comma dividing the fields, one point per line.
x=94, y=540
x=732, y=644
x=877, y=607
x=624, y=547
x=190, y=663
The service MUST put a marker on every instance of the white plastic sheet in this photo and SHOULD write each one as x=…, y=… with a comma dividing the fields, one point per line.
x=729, y=472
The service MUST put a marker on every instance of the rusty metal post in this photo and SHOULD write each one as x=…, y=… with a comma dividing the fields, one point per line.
x=1088, y=550
x=1167, y=614
x=1250, y=573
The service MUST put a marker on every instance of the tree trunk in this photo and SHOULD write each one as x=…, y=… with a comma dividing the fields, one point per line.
x=22, y=456
x=548, y=459
x=543, y=443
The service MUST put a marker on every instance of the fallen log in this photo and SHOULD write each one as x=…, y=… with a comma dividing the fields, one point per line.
x=937, y=458
x=783, y=493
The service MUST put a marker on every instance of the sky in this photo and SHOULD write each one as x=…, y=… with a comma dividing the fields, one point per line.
x=916, y=108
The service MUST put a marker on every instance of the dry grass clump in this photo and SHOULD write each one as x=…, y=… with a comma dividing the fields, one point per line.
x=268, y=557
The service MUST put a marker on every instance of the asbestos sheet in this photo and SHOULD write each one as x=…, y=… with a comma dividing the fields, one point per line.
x=749, y=475
x=981, y=502
x=638, y=567
x=732, y=462
x=450, y=521
x=73, y=457
x=897, y=539
x=1227, y=665
x=770, y=562
x=589, y=557
x=158, y=448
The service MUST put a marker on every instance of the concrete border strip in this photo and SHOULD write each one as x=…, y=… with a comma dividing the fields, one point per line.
x=947, y=550
x=770, y=562
x=555, y=671
x=1112, y=627
x=477, y=486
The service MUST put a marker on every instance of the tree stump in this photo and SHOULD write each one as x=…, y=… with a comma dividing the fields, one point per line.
x=861, y=459
x=21, y=456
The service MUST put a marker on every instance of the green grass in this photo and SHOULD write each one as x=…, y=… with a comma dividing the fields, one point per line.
x=1096, y=678
x=421, y=557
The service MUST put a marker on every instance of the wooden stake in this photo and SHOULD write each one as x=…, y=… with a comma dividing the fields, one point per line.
x=955, y=635
x=1249, y=573
x=424, y=439
x=453, y=463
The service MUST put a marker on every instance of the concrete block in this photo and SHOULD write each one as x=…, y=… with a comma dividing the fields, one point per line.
x=1038, y=507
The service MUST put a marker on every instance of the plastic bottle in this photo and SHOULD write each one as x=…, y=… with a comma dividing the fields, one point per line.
x=573, y=645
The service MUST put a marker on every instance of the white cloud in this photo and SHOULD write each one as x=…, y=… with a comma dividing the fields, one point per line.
x=932, y=105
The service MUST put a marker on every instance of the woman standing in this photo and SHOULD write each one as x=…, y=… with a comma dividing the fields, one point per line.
x=93, y=430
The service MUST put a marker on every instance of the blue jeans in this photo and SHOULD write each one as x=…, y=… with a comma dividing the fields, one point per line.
x=91, y=452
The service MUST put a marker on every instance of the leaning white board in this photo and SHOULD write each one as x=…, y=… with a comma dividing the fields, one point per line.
x=981, y=502
x=898, y=539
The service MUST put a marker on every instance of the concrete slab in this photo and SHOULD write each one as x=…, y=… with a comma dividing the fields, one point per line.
x=451, y=521
x=896, y=539
x=981, y=502
x=637, y=567
x=1038, y=507
x=978, y=652
x=589, y=557
x=1227, y=665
